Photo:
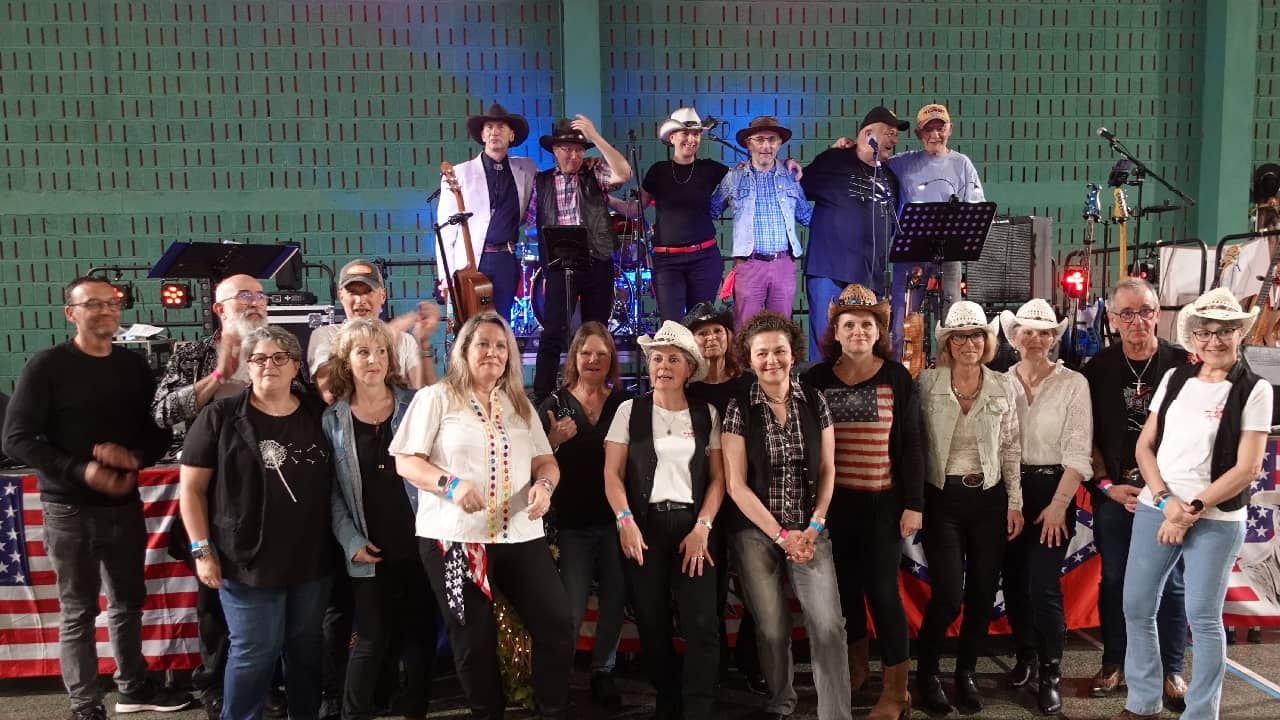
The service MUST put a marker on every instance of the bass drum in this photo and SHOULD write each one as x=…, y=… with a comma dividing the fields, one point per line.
x=620, y=321
x=631, y=252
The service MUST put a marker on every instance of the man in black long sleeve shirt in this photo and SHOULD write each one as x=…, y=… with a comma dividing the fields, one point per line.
x=80, y=415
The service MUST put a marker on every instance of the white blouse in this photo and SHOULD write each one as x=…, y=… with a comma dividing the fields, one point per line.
x=456, y=437
x=1057, y=424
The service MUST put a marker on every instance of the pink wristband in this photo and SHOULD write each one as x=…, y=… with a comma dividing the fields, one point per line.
x=1105, y=484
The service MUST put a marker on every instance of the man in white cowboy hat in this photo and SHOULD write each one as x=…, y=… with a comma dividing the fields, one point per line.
x=1122, y=379
x=495, y=189
x=575, y=192
x=767, y=203
x=851, y=231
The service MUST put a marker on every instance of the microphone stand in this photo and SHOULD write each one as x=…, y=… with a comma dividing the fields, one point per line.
x=1140, y=171
x=712, y=134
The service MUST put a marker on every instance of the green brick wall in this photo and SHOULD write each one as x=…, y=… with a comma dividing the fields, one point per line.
x=125, y=126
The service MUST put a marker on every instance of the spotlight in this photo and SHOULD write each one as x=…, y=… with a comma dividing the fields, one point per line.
x=124, y=293
x=175, y=295
x=1075, y=282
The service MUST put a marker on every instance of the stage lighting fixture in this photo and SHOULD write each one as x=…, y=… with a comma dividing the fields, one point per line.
x=124, y=293
x=1075, y=282
x=175, y=295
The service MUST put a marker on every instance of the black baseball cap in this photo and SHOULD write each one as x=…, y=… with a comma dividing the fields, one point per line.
x=881, y=114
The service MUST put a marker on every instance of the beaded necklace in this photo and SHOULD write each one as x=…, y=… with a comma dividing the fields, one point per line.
x=499, y=510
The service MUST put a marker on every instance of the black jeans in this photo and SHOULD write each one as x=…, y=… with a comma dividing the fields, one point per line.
x=593, y=288
x=393, y=609
x=867, y=550
x=652, y=587
x=964, y=543
x=503, y=270
x=1033, y=572
x=682, y=280
x=337, y=637
x=526, y=575
x=214, y=643
x=1112, y=529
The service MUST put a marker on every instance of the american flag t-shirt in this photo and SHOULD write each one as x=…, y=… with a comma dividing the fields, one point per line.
x=29, y=608
x=862, y=417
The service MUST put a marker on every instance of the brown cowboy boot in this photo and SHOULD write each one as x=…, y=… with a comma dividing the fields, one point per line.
x=859, y=669
x=895, y=699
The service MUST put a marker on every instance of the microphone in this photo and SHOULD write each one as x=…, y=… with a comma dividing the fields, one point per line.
x=432, y=197
x=955, y=192
x=1106, y=134
x=712, y=122
x=631, y=136
x=1160, y=208
x=875, y=149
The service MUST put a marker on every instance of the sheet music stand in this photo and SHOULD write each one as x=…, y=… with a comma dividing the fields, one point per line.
x=216, y=261
x=939, y=232
x=568, y=248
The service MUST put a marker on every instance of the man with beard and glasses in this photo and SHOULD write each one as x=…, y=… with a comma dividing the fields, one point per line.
x=199, y=372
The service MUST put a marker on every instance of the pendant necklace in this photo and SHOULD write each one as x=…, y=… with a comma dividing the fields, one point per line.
x=1138, y=375
x=693, y=166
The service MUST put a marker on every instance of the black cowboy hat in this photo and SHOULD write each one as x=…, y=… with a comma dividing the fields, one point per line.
x=563, y=132
x=497, y=113
x=706, y=312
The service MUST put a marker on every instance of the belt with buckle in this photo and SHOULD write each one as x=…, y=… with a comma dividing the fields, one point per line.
x=682, y=249
x=970, y=480
x=669, y=506
x=504, y=248
x=768, y=257
x=1133, y=476
x=1047, y=470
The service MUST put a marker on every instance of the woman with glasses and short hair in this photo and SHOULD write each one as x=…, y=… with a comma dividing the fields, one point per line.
x=255, y=492
x=1201, y=447
x=972, y=497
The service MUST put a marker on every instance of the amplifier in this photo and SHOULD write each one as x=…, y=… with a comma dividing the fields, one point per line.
x=292, y=298
x=156, y=351
x=1016, y=263
x=302, y=319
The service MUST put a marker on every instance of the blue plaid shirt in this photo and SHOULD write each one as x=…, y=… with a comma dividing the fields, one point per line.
x=769, y=225
x=766, y=207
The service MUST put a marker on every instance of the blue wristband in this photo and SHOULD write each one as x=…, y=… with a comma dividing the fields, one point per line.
x=453, y=485
x=1162, y=501
x=813, y=525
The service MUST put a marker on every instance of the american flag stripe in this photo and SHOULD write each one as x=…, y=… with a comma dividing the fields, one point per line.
x=29, y=613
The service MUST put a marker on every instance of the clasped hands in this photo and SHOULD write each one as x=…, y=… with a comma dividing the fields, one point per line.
x=800, y=546
x=1178, y=518
x=113, y=470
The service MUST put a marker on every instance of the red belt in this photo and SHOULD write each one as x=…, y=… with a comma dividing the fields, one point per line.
x=682, y=249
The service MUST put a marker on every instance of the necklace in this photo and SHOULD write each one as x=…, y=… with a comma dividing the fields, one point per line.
x=1032, y=381
x=661, y=416
x=693, y=166
x=971, y=396
x=1138, y=375
x=771, y=401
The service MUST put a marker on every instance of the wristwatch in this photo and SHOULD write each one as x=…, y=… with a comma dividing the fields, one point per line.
x=201, y=549
x=443, y=482
x=1197, y=506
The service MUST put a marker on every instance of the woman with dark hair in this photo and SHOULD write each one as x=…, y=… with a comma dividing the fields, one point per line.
x=576, y=417
x=664, y=478
x=485, y=474
x=879, y=484
x=973, y=499
x=256, y=483
x=780, y=464
x=373, y=514
x=1199, y=450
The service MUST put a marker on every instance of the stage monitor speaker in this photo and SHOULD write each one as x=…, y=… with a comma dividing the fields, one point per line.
x=1016, y=263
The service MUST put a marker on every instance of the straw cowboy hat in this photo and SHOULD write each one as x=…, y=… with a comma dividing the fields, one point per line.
x=673, y=334
x=681, y=119
x=963, y=316
x=1217, y=304
x=858, y=297
x=1036, y=314
x=497, y=113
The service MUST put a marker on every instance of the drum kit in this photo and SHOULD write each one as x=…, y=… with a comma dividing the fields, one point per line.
x=632, y=314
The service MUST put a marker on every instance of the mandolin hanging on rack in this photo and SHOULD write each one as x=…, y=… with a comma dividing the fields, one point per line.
x=474, y=288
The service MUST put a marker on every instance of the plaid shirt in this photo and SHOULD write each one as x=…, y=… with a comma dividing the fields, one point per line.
x=789, y=491
x=567, y=194
x=768, y=224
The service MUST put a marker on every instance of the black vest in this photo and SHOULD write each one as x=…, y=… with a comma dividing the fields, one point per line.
x=593, y=213
x=642, y=457
x=759, y=473
x=1227, y=443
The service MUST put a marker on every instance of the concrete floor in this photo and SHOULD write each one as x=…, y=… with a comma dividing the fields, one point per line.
x=1251, y=690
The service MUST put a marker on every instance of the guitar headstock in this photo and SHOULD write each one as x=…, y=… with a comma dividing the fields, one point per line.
x=1121, y=209
x=914, y=277
x=450, y=177
x=1092, y=211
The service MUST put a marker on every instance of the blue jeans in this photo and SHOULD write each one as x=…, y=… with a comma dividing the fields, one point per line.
x=1112, y=531
x=682, y=280
x=821, y=292
x=262, y=622
x=503, y=270
x=1209, y=550
x=592, y=554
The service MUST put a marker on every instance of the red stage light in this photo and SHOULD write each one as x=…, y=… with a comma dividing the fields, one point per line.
x=124, y=293
x=175, y=296
x=1075, y=282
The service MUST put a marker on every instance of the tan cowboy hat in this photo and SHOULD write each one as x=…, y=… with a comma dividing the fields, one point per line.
x=762, y=124
x=858, y=297
x=1217, y=304
x=1036, y=314
x=966, y=315
x=673, y=334
x=681, y=119
x=497, y=113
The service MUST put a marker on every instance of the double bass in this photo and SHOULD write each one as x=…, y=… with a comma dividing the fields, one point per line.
x=474, y=289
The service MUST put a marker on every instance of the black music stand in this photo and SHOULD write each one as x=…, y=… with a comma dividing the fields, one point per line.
x=217, y=261
x=568, y=248
x=939, y=232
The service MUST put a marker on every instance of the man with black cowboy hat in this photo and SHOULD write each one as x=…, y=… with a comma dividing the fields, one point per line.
x=575, y=192
x=767, y=201
x=496, y=190
x=850, y=235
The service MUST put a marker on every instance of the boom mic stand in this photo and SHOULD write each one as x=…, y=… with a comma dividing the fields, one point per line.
x=1139, y=174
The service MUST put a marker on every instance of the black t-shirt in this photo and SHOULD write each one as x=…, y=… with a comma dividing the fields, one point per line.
x=718, y=394
x=682, y=195
x=387, y=512
x=1121, y=391
x=580, y=500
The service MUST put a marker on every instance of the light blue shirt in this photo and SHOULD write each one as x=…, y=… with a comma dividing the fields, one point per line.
x=941, y=176
x=761, y=225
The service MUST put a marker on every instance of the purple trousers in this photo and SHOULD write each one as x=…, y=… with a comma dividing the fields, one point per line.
x=760, y=285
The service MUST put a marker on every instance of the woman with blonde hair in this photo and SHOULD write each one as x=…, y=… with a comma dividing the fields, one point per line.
x=485, y=475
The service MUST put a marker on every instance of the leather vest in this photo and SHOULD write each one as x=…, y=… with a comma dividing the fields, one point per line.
x=642, y=457
x=593, y=213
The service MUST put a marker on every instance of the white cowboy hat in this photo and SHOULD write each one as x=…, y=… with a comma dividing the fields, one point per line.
x=1217, y=304
x=681, y=119
x=673, y=334
x=966, y=315
x=1036, y=314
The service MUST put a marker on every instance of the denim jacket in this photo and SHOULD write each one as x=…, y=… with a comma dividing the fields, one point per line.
x=999, y=439
x=347, y=504
x=737, y=190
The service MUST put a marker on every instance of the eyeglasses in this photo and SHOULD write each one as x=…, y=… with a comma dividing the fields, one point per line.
x=247, y=296
x=276, y=359
x=972, y=338
x=1129, y=316
x=765, y=140
x=1223, y=334
x=98, y=305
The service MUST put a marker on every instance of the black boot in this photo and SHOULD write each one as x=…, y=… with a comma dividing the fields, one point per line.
x=929, y=694
x=1024, y=671
x=968, y=698
x=603, y=689
x=1051, y=687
